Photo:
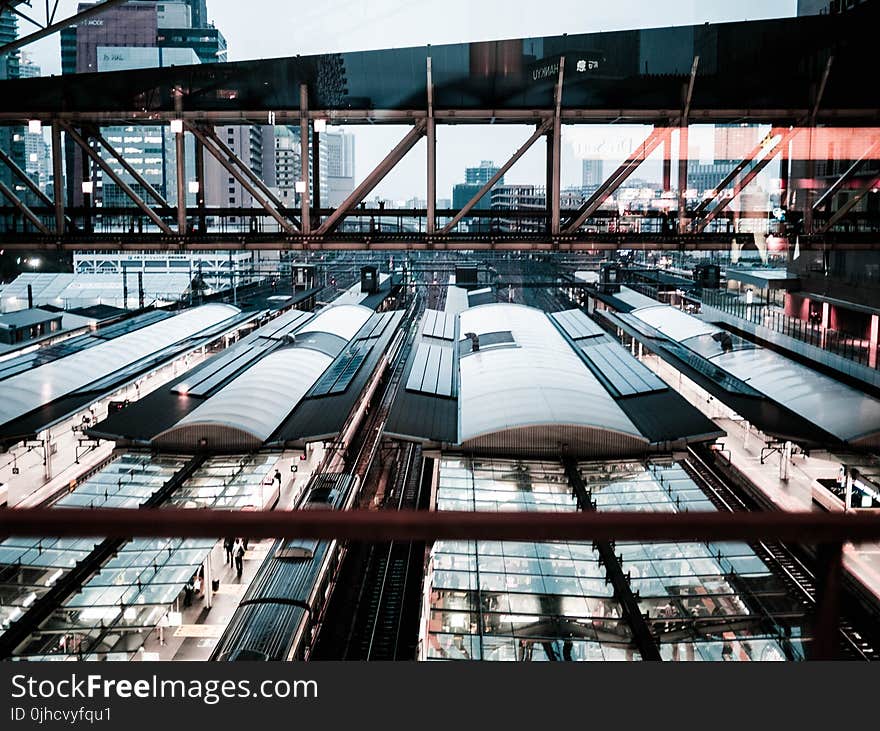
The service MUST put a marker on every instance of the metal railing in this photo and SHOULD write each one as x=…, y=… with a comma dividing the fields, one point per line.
x=828, y=531
x=849, y=346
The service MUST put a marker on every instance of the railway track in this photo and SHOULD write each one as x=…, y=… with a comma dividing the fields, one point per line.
x=385, y=618
x=793, y=570
x=367, y=566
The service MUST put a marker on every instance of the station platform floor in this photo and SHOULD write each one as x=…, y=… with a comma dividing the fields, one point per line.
x=862, y=561
x=201, y=627
x=196, y=636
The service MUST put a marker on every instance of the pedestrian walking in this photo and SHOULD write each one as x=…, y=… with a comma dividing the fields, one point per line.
x=238, y=556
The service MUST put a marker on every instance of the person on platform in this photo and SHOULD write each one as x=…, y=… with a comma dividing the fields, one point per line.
x=238, y=556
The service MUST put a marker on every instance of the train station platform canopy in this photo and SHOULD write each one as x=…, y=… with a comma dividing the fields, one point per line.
x=783, y=398
x=512, y=380
x=42, y=387
x=292, y=381
x=763, y=278
x=747, y=70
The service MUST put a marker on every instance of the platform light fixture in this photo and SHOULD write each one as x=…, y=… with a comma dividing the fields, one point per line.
x=300, y=186
x=320, y=125
x=87, y=187
x=193, y=186
x=35, y=126
x=177, y=126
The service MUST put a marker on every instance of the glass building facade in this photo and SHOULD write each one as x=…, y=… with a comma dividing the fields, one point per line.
x=501, y=600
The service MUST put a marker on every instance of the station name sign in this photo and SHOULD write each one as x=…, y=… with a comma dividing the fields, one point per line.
x=575, y=64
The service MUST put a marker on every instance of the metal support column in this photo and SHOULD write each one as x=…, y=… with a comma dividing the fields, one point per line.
x=306, y=225
x=667, y=165
x=86, y=172
x=682, y=180
x=57, y=179
x=200, y=181
x=431, y=212
x=554, y=193
x=643, y=637
x=829, y=580
x=180, y=164
x=316, y=177
x=810, y=193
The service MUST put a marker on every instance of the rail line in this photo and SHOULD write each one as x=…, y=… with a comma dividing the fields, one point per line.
x=794, y=572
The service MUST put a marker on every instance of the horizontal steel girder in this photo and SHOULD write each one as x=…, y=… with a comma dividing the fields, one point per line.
x=581, y=242
x=660, y=117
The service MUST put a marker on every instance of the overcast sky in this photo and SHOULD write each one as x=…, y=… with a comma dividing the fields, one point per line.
x=270, y=28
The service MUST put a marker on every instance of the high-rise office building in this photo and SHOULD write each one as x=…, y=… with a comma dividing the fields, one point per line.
x=591, y=175
x=138, y=34
x=11, y=138
x=282, y=165
x=222, y=190
x=339, y=167
x=37, y=156
x=474, y=179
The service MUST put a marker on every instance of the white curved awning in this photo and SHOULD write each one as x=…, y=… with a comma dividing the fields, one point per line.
x=537, y=381
x=341, y=320
x=258, y=401
x=673, y=323
x=32, y=389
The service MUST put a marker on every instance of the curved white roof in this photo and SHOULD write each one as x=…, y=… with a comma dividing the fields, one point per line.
x=260, y=398
x=840, y=410
x=540, y=381
x=673, y=323
x=31, y=389
x=341, y=320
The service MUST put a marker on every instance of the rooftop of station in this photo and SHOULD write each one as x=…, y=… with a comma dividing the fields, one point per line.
x=513, y=379
x=290, y=381
x=43, y=386
x=781, y=396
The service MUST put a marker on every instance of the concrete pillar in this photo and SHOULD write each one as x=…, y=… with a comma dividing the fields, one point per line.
x=47, y=460
x=826, y=318
x=785, y=462
x=209, y=576
x=872, y=341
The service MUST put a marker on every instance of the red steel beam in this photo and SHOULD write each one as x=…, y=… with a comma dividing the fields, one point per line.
x=364, y=525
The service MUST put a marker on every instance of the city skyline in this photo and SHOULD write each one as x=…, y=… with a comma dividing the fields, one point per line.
x=355, y=25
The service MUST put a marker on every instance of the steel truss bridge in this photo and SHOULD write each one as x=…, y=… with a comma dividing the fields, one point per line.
x=802, y=77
